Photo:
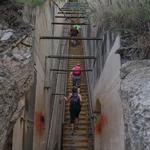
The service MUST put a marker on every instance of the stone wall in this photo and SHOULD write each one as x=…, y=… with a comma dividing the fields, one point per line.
x=16, y=77
x=135, y=76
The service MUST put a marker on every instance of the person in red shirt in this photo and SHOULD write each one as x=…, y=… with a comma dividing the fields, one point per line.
x=76, y=76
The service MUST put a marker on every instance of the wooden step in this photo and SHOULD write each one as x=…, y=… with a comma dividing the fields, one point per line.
x=66, y=148
x=68, y=127
x=80, y=122
x=81, y=113
x=75, y=145
x=76, y=132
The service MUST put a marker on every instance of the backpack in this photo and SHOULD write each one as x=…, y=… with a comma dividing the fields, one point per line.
x=75, y=99
x=76, y=71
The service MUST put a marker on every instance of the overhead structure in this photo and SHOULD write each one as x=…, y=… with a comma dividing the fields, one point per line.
x=71, y=12
x=69, y=70
x=71, y=17
x=71, y=57
x=69, y=38
x=69, y=23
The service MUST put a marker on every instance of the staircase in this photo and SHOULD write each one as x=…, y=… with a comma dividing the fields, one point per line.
x=82, y=138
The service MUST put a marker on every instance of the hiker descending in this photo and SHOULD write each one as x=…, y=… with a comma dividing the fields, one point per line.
x=75, y=100
x=74, y=32
x=76, y=76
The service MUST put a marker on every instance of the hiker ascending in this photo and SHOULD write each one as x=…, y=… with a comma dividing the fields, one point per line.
x=74, y=32
x=75, y=100
x=76, y=76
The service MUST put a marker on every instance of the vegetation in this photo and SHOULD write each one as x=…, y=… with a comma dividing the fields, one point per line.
x=132, y=20
x=31, y=2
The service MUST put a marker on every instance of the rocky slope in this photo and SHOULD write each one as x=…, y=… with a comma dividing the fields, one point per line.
x=16, y=65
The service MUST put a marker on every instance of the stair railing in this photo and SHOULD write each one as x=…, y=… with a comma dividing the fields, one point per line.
x=54, y=141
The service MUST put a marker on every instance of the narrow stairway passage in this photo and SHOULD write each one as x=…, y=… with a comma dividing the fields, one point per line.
x=82, y=138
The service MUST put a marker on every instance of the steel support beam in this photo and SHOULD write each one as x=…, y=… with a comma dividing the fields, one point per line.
x=69, y=70
x=69, y=38
x=69, y=23
x=58, y=94
x=71, y=10
x=71, y=17
x=71, y=57
x=63, y=12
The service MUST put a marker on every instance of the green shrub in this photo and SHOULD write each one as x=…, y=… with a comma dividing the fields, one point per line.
x=31, y=2
x=133, y=16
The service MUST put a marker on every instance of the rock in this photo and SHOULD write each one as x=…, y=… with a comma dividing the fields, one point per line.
x=6, y=34
x=135, y=95
x=9, y=97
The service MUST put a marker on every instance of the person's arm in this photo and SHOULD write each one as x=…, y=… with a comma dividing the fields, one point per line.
x=70, y=74
x=80, y=99
x=67, y=98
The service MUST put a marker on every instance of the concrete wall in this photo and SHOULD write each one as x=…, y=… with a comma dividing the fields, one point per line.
x=46, y=79
x=18, y=130
x=105, y=80
x=111, y=136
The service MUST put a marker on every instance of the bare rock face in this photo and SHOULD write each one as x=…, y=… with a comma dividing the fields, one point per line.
x=16, y=78
x=9, y=97
x=16, y=66
x=135, y=95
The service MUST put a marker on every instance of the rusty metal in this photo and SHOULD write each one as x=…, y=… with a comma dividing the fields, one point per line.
x=58, y=94
x=69, y=70
x=70, y=12
x=69, y=23
x=71, y=17
x=71, y=57
x=69, y=38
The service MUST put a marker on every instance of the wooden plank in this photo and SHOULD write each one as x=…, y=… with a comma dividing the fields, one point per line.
x=69, y=38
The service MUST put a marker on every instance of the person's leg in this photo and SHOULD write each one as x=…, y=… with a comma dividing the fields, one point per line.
x=77, y=118
x=78, y=84
x=72, y=120
x=76, y=123
x=73, y=81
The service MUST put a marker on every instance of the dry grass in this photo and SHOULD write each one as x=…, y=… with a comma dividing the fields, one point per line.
x=132, y=20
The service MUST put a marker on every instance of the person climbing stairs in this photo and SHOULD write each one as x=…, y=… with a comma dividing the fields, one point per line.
x=82, y=138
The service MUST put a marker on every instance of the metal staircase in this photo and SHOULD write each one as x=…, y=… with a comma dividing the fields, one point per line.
x=82, y=138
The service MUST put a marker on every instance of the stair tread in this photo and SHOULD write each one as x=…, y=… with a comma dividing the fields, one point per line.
x=81, y=140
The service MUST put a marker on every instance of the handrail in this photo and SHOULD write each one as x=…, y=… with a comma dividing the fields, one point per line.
x=91, y=114
x=57, y=118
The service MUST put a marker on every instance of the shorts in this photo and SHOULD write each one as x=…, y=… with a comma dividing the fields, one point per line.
x=76, y=81
x=74, y=114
